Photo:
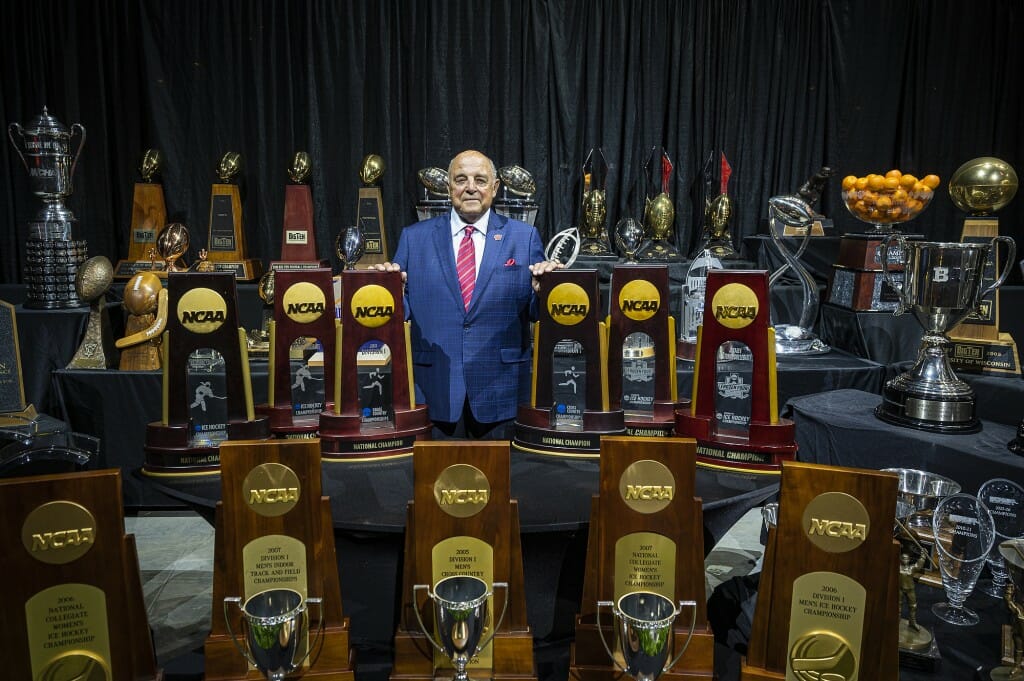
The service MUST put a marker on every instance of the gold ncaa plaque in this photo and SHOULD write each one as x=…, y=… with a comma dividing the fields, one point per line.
x=647, y=486
x=462, y=490
x=68, y=636
x=271, y=489
x=836, y=522
x=826, y=625
x=568, y=304
x=645, y=561
x=372, y=306
x=58, y=532
x=735, y=306
x=202, y=310
x=304, y=302
x=639, y=300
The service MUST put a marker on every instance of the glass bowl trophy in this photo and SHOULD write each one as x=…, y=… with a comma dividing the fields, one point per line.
x=964, y=534
x=941, y=286
x=435, y=200
x=518, y=182
x=659, y=210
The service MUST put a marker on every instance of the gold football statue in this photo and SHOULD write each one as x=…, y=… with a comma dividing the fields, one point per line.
x=300, y=168
x=659, y=216
x=152, y=161
x=372, y=169
x=145, y=300
x=92, y=282
x=229, y=166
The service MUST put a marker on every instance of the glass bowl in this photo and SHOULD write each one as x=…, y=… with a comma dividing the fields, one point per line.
x=886, y=200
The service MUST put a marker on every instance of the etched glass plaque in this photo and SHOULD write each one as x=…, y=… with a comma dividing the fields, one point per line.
x=733, y=378
x=206, y=388
x=568, y=385
x=375, y=392
x=638, y=363
x=306, y=371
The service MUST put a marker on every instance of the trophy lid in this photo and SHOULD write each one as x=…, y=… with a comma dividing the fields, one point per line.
x=45, y=124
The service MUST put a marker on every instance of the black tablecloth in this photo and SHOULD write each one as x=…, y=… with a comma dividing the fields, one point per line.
x=997, y=397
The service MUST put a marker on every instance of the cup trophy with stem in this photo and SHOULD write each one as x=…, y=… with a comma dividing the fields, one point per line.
x=643, y=622
x=964, y=533
x=276, y=625
x=1005, y=501
x=460, y=612
x=942, y=287
x=923, y=490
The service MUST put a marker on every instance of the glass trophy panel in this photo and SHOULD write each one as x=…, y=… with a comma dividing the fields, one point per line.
x=638, y=357
x=568, y=385
x=373, y=367
x=734, y=370
x=692, y=308
x=207, y=388
x=306, y=369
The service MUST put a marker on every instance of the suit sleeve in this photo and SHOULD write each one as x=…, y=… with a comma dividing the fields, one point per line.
x=536, y=256
x=402, y=260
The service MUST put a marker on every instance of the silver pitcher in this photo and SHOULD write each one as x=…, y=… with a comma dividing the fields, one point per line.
x=275, y=627
x=643, y=622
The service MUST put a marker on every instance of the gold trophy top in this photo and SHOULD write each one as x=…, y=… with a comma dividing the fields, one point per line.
x=94, y=278
x=718, y=215
x=229, y=166
x=265, y=287
x=518, y=180
x=300, y=168
x=983, y=185
x=152, y=162
x=659, y=216
x=171, y=244
x=595, y=211
x=372, y=169
x=141, y=293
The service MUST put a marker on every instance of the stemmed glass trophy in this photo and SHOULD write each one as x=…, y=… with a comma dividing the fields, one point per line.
x=964, y=533
x=275, y=629
x=643, y=622
x=1005, y=501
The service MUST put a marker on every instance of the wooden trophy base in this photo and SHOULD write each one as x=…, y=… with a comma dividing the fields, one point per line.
x=513, y=656
x=661, y=422
x=533, y=432
x=283, y=425
x=167, y=452
x=996, y=357
x=588, y=659
x=763, y=451
x=748, y=673
x=244, y=270
x=342, y=437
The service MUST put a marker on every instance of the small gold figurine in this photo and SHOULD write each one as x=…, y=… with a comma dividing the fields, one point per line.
x=152, y=161
x=300, y=168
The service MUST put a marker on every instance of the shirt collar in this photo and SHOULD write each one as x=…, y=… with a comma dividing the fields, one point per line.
x=457, y=224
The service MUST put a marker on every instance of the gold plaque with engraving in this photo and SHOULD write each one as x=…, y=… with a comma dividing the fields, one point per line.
x=271, y=489
x=202, y=310
x=274, y=561
x=462, y=490
x=58, y=532
x=466, y=556
x=734, y=305
x=825, y=627
x=647, y=487
x=568, y=303
x=645, y=561
x=68, y=632
x=836, y=522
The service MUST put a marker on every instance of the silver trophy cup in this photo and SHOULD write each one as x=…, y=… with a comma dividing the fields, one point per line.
x=942, y=286
x=275, y=626
x=643, y=622
x=349, y=246
x=460, y=610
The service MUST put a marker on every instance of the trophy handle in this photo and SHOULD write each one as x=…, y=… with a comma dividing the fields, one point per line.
x=419, y=617
x=887, y=277
x=81, y=143
x=237, y=601
x=600, y=632
x=693, y=623
x=494, y=630
x=10, y=133
x=1011, y=253
x=319, y=603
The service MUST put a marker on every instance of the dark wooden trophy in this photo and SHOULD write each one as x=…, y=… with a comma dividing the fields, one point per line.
x=296, y=389
x=74, y=603
x=646, y=534
x=274, y=532
x=207, y=391
x=149, y=215
x=641, y=350
x=375, y=412
x=370, y=217
x=569, y=406
x=225, y=243
x=857, y=282
x=462, y=521
x=734, y=413
x=827, y=600
x=298, y=238
x=12, y=383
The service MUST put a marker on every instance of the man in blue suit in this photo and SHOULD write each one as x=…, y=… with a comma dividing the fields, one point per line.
x=470, y=294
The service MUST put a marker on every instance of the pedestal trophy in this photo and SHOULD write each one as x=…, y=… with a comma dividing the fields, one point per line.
x=207, y=390
x=96, y=351
x=13, y=408
x=718, y=213
x=981, y=187
x=884, y=202
x=659, y=211
x=641, y=350
x=225, y=243
x=595, y=245
x=734, y=413
x=942, y=286
x=570, y=407
x=52, y=251
x=297, y=388
x=370, y=215
x=145, y=300
x=435, y=200
x=171, y=246
x=149, y=214
x=646, y=537
x=691, y=309
x=274, y=555
x=298, y=237
x=462, y=540
x=518, y=182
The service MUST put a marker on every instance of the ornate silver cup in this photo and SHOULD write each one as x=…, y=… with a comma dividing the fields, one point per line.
x=643, y=622
x=349, y=245
x=942, y=287
x=460, y=610
x=275, y=627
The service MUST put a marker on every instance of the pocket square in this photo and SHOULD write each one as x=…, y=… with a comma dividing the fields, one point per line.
x=510, y=262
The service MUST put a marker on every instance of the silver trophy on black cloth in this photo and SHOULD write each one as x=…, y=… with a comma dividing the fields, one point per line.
x=52, y=253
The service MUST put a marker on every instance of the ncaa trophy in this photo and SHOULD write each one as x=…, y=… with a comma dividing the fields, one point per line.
x=942, y=287
x=52, y=253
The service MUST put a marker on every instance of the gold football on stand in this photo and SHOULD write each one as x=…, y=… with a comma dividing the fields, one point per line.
x=152, y=161
x=140, y=293
x=372, y=169
x=94, y=278
x=229, y=166
x=300, y=168
x=983, y=185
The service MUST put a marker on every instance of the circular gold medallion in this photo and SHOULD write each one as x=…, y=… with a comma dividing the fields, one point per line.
x=58, y=532
x=202, y=310
x=568, y=304
x=372, y=306
x=836, y=522
x=734, y=306
x=647, y=486
x=271, y=489
x=79, y=665
x=639, y=300
x=304, y=302
x=462, y=490
x=822, y=655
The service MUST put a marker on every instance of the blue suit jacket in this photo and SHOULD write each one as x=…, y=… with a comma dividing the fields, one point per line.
x=484, y=352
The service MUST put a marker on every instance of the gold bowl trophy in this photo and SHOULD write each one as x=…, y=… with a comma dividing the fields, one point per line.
x=370, y=216
x=145, y=299
x=149, y=213
x=92, y=282
x=981, y=187
x=435, y=199
x=594, y=230
x=659, y=211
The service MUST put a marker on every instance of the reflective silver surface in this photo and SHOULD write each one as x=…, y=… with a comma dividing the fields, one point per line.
x=564, y=247
x=349, y=245
x=629, y=236
x=643, y=623
x=275, y=624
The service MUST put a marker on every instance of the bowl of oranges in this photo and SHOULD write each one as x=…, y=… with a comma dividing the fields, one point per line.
x=892, y=198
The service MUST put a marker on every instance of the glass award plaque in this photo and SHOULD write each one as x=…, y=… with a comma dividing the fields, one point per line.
x=691, y=312
x=376, y=406
x=208, y=410
x=568, y=385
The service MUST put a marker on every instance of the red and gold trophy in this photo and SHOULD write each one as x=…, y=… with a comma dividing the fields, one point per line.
x=149, y=214
x=298, y=238
x=718, y=212
x=595, y=245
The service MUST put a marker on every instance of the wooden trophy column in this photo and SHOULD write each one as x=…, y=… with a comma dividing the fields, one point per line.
x=298, y=237
x=274, y=530
x=462, y=520
x=646, y=534
x=225, y=243
x=370, y=217
x=149, y=215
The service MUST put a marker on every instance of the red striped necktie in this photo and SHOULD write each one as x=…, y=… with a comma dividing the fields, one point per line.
x=465, y=264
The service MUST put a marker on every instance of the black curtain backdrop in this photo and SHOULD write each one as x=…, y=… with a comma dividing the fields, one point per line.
x=781, y=86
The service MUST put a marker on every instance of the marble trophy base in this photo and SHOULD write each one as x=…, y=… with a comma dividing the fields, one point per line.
x=917, y=649
x=343, y=437
x=762, y=451
x=660, y=422
x=658, y=250
x=533, y=432
x=168, y=453
x=283, y=424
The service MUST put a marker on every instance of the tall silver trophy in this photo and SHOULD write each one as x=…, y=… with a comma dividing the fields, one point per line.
x=275, y=628
x=941, y=286
x=52, y=253
x=460, y=612
x=643, y=624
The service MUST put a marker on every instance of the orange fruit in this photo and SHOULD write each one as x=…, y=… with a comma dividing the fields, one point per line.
x=894, y=173
x=931, y=180
x=907, y=181
x=861, y=183
x=899, y=196
x=876, y=182
x=848, y=182
x=892, y=182
x=884, y=203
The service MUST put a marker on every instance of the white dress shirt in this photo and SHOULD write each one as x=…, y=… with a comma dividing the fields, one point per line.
x=458, y=226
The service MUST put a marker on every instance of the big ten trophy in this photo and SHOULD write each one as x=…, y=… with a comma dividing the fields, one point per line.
x=298, y=238
x=691, y=309
x=462, y=527
x=375, y=412
x=1012, y=637
x=145, y=300
x=149, y=215
x=641, y=350
x=13, y=407
x=981, y=187
x=646, y=535
x=52, y=251
x=435, y=200
x=96, y=351
x=273, y=554
x=225, y=243
x=884, y=202
x=521, y=206
x=570, y=407
x=719, y=211
x=594, y=199
x=75, y=607
x=297, y=386
x=659, y=211
x=734, y=413
x=942, y=286
x=831, y=613
x=207, y=389
x=370, y=214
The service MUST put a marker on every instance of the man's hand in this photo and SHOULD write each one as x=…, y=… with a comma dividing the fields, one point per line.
x=390, y=267
x=541, y=268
